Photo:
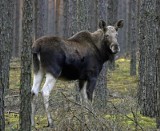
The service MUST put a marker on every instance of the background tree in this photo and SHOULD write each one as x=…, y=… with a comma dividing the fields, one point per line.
x=133, y=38
x=25, y=87
x=40, y=17
x=51, y=17
x=112, y=15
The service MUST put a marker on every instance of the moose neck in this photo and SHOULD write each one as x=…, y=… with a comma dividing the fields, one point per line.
x=102, y=46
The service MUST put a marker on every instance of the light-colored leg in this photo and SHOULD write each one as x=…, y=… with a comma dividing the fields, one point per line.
x=84, y=98
x=46, y=90
x=35, y=89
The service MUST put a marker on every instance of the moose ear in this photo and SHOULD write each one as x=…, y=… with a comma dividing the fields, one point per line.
x=102, y=24
x=119, y=24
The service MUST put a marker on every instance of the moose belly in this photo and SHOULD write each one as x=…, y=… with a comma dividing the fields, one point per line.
x=70, y=72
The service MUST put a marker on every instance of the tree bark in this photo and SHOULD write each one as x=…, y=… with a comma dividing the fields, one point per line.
x=65, y=18
x=100, y=100
x=25, y=87
x=16, y=33
x=158, y=63
x=40, y=18
x=57, y=24
x=133, y=39
x=6, y=39
x=147, y=92
x=158, y=87
x=51, y=17
x=112, y=13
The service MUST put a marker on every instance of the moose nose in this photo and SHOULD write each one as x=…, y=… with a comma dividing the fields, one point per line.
x=115, y=48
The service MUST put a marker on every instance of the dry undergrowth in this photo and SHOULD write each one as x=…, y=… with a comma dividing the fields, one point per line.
x=121, y=113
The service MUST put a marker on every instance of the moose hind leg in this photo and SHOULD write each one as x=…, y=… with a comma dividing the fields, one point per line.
x=46, y=90
x=34, y=92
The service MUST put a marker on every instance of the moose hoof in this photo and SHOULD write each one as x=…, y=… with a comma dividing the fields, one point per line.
x=51, y=125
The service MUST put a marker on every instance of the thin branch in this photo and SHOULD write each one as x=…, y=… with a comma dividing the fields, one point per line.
x=135, y=121
x=94, y=115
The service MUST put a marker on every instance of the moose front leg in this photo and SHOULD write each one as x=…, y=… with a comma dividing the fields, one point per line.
x=91, y=84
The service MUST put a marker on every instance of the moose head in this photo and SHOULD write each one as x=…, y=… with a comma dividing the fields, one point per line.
x=111, y=34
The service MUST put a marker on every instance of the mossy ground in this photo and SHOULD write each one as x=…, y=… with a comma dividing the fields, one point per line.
x=123, y=111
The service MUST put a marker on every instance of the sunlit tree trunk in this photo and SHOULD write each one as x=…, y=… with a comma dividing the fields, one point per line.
x=25, y=87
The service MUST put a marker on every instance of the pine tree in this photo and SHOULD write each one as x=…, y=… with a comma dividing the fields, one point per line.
x=25, y=87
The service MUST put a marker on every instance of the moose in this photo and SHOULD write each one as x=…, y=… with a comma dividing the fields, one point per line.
x=79, y=57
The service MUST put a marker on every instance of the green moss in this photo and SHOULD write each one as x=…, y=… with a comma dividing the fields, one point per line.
x=120, y=79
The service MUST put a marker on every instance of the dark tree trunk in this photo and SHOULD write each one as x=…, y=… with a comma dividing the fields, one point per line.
x=25, y=87
x=57, y=14
x=93, y=11
x=112, y=13
x=129, y=29
x=65, y=18
x=158, y=87
x=83, y=15
x=133, y=39
x=147, y=94
x=39, y=18
x=158, y=63
x=51, y=17
x=6, y=39
x=72, y=18
x=16, y=42
x=100, y=99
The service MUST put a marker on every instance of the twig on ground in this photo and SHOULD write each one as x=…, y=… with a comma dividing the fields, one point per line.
x=134, y=116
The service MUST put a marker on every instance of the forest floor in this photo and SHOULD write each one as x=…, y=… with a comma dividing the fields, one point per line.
x=121, y=113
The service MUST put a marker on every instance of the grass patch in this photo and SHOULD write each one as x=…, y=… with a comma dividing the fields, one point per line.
x=120, y=80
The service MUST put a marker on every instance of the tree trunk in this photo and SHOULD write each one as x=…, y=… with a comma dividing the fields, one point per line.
x=65, y=18
x=25, y=87
x=51, y=17
x=72, y=18
x=6, y=39
x=15, y=45
x=112, y=13
x=93, y=11
x=133, y=39
x=57, y=24
x=100, y=99
x=39, y=18
x=158, y=87
x=158, y=63
x=147, y=94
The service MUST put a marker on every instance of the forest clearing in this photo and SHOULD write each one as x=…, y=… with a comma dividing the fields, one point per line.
x=108, y=51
